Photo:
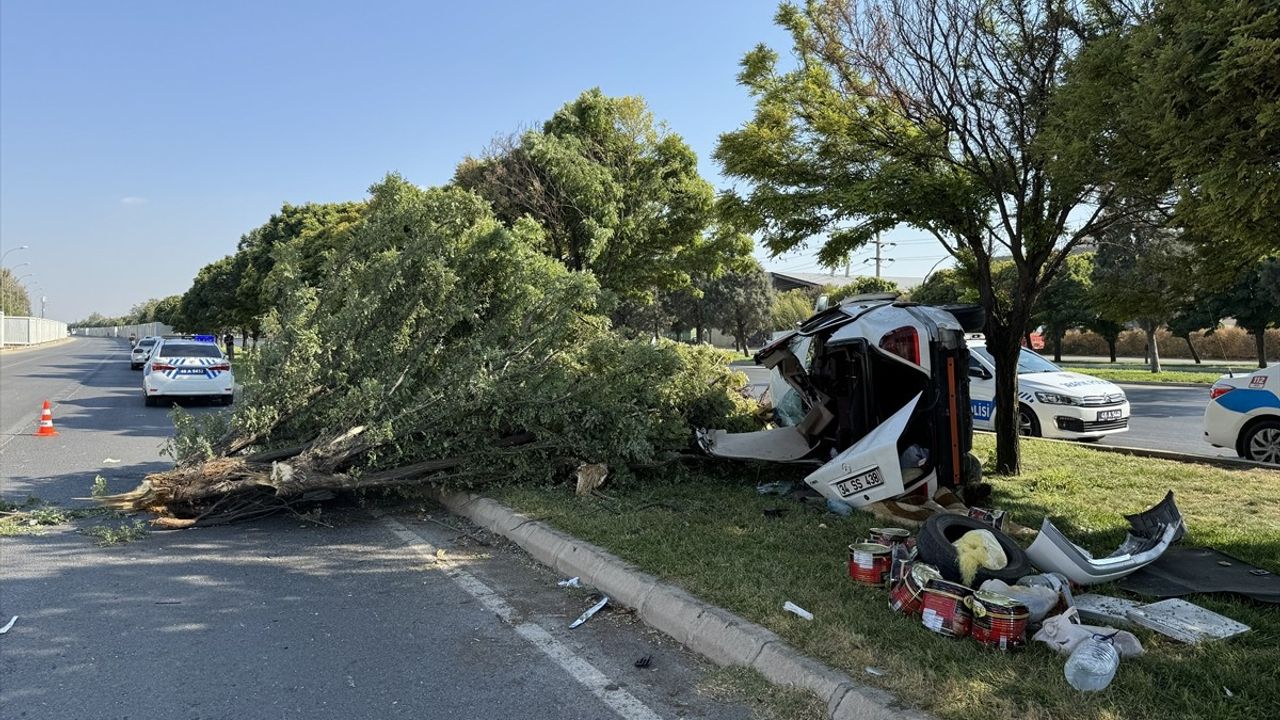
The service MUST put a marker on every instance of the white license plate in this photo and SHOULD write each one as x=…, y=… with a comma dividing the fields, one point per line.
x=1108, y=415
x=858, y=483
x=191, y=371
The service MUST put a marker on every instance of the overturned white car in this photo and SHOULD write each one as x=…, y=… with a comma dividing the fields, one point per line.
x=875, y=394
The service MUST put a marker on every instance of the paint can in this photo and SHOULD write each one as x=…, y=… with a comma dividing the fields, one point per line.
x=900, y=560
x=943, y=610
x=869, y=563
x=907, y=595
x=998, y=621
x=890, y=536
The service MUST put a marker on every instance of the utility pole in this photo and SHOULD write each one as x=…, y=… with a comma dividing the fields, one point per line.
x=878, y=257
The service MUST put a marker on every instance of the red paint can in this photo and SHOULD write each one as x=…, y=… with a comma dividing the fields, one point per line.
x=890, y=536
x=869, y=563
x=944, y=610
x=907, y=595
x=998, y=621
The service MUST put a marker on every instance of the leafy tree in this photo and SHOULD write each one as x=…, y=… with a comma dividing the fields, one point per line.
x=1191, y=89
x=947, y=286
x=938, y=114
x=861, y=286
x=210, y=304
x=1065, y=302
x=791, y=308
x=1108, y=329
x=14, y=300
x=615, y=194
x=1252, y=301
x=1141, y=273
x=168, y=310
x=1190, y=318
x=741, y=304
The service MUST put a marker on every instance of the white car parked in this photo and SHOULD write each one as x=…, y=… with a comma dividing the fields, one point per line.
x=1244, y=414
x=138, y=355
x=178, y=367
x=1052, y=402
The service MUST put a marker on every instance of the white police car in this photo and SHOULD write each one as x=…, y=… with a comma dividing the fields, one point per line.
x=138, y=355
x=187, y=367
x=1244, y=414
x=1052, y=402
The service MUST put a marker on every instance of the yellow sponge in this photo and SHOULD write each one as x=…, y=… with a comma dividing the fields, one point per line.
x=978, y=548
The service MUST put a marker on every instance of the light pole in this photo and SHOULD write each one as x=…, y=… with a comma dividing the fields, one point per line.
x=6, y=252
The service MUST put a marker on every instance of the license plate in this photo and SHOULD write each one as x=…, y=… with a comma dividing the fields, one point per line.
x=858, y=483
x=1108, y=415
x=191, y=371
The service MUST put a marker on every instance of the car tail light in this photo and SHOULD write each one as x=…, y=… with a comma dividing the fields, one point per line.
x=220, y=366
x=161, y=366
x=903, y=342
x=1218, y=391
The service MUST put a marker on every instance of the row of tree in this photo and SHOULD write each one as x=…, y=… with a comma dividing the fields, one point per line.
x=14, y=299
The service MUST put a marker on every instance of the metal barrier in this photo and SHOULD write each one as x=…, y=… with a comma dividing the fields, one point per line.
x=124, y=331
x=22, y=330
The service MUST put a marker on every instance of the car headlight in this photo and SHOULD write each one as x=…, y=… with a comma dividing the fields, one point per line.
x=1056, y=399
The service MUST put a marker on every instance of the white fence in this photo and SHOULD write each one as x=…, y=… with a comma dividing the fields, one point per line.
x=21, y=330
x=124, y=331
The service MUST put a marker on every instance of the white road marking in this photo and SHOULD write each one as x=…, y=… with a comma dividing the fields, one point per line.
x=620, y=701
x=64, y=395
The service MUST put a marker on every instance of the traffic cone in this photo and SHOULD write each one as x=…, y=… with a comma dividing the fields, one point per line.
x=46, y=422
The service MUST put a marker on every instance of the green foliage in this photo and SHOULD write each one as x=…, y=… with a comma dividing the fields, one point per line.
x=210, y=304
x=1141, y=272
x=13, y=296
x=1252, y=299
x=861, y=286
x=193, y=435
x=106, y=534
x=1065, y=303
x=741, y=304
x=614, y=193
x=791, y=308
x=945, y=286
x=449, y=331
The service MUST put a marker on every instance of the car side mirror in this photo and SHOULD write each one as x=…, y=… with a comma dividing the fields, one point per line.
x=979, y=372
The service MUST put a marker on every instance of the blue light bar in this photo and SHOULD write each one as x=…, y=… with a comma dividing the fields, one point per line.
x=205, y=338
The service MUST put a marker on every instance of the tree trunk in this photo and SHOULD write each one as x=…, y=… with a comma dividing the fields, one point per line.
x=1260, y=342
x=1002, y=343
x=1192, y=347
x=1111, y=345
x=1153, y=349
x=1057, y=345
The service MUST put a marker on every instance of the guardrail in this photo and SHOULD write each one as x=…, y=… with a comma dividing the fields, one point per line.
x=124, y=331
x=21, y=330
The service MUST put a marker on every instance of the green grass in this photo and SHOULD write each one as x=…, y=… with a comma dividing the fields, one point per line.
x=107, y=534
x=767, y=701
x=1168, y=374
x=709, y=535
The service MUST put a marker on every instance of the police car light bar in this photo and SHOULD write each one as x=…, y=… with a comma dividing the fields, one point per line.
x=205, y=338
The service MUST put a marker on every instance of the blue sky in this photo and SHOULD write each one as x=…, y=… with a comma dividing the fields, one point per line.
x=139, y=140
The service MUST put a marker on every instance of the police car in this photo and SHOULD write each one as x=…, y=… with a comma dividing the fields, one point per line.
x=1052, y=402
x=138, y=355
x=187, y=367
x=1244, y=414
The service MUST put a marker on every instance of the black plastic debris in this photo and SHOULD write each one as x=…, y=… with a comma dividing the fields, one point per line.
x=1183, y=571
x=644, y=662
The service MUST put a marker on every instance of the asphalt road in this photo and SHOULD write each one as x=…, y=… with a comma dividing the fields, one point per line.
x=281, y=618
x=1162, y=418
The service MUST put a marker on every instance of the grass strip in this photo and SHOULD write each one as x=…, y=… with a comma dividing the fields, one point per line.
x=707, y=532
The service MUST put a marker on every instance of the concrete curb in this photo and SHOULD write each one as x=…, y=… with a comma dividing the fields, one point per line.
x=717, y=634
x=1230, y=463
x=1150, y=383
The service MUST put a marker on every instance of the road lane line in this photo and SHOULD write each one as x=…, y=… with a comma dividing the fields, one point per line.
x=620, y=701
x=64, y=395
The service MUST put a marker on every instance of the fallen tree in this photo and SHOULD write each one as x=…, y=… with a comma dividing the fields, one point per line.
x=440, y=346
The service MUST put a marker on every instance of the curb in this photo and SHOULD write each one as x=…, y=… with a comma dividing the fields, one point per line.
x=1230, y=463
x=717, y=634
x=1152, y=383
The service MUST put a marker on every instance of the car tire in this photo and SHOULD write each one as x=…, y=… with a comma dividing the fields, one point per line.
x=134, y=367
x=226, y=400
x=1028, y=423
x=150, y=400
x=935, y=548
x=1261, y=442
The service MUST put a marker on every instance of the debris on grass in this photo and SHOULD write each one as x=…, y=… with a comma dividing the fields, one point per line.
x=604, y=600
x=573, y=582
x=797, y=610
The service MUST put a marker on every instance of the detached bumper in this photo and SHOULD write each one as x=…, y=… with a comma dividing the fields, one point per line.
x=1074, y=421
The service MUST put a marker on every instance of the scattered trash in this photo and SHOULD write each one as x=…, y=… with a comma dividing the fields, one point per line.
x=1092, y=664
x=1039, y=601
x=108, y=461
x=1104, y=609
x=935, y=547
x=604, y=600
x=822, y=525
x=869, y=563
x=889, y=536
x=779, y=487
x=1228, y=692
x=999, y=621
x=1064, y=632
x=1052, y=551
x=774, y=513
x=796, y=609
x=1183, y=571
x=644, y=662
x=1150, y=523
x=590, y=477
x=907, y=595
x=839, y=507
x=573, y=582
x=1186, y=622
x=8, y=625
x=440, y=553
x=944, y=610
x=1054, y=581
x=994, y=518
x=978, y=548
x=873, y=671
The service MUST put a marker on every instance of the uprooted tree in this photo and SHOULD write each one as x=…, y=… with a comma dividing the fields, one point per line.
x=440, y=344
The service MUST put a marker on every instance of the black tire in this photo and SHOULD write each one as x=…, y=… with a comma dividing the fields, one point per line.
x=1261, y=442
x=935, y=548
x=226, y=400
x=150, y=400
x=134, y=367
x=1028, y=423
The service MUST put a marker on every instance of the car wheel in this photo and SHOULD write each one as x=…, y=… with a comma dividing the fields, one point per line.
x=226, y=400
x=1262, y=442
x=1028, y=424
x=150, y=400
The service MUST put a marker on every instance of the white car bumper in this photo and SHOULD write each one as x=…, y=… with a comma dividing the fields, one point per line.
x=188, y=382
x=1081, y=421
x=1222, y=426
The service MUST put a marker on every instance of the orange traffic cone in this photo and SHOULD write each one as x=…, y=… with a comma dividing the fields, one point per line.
x=46, y=422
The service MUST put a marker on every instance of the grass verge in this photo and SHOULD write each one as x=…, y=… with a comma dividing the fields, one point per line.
x=766, y=700
x=1174, y=374
x=707, y=532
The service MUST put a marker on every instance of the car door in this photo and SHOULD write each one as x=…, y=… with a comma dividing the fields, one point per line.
x=982, y=393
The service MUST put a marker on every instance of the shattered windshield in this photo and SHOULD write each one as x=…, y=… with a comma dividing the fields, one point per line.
x=1028, y=362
